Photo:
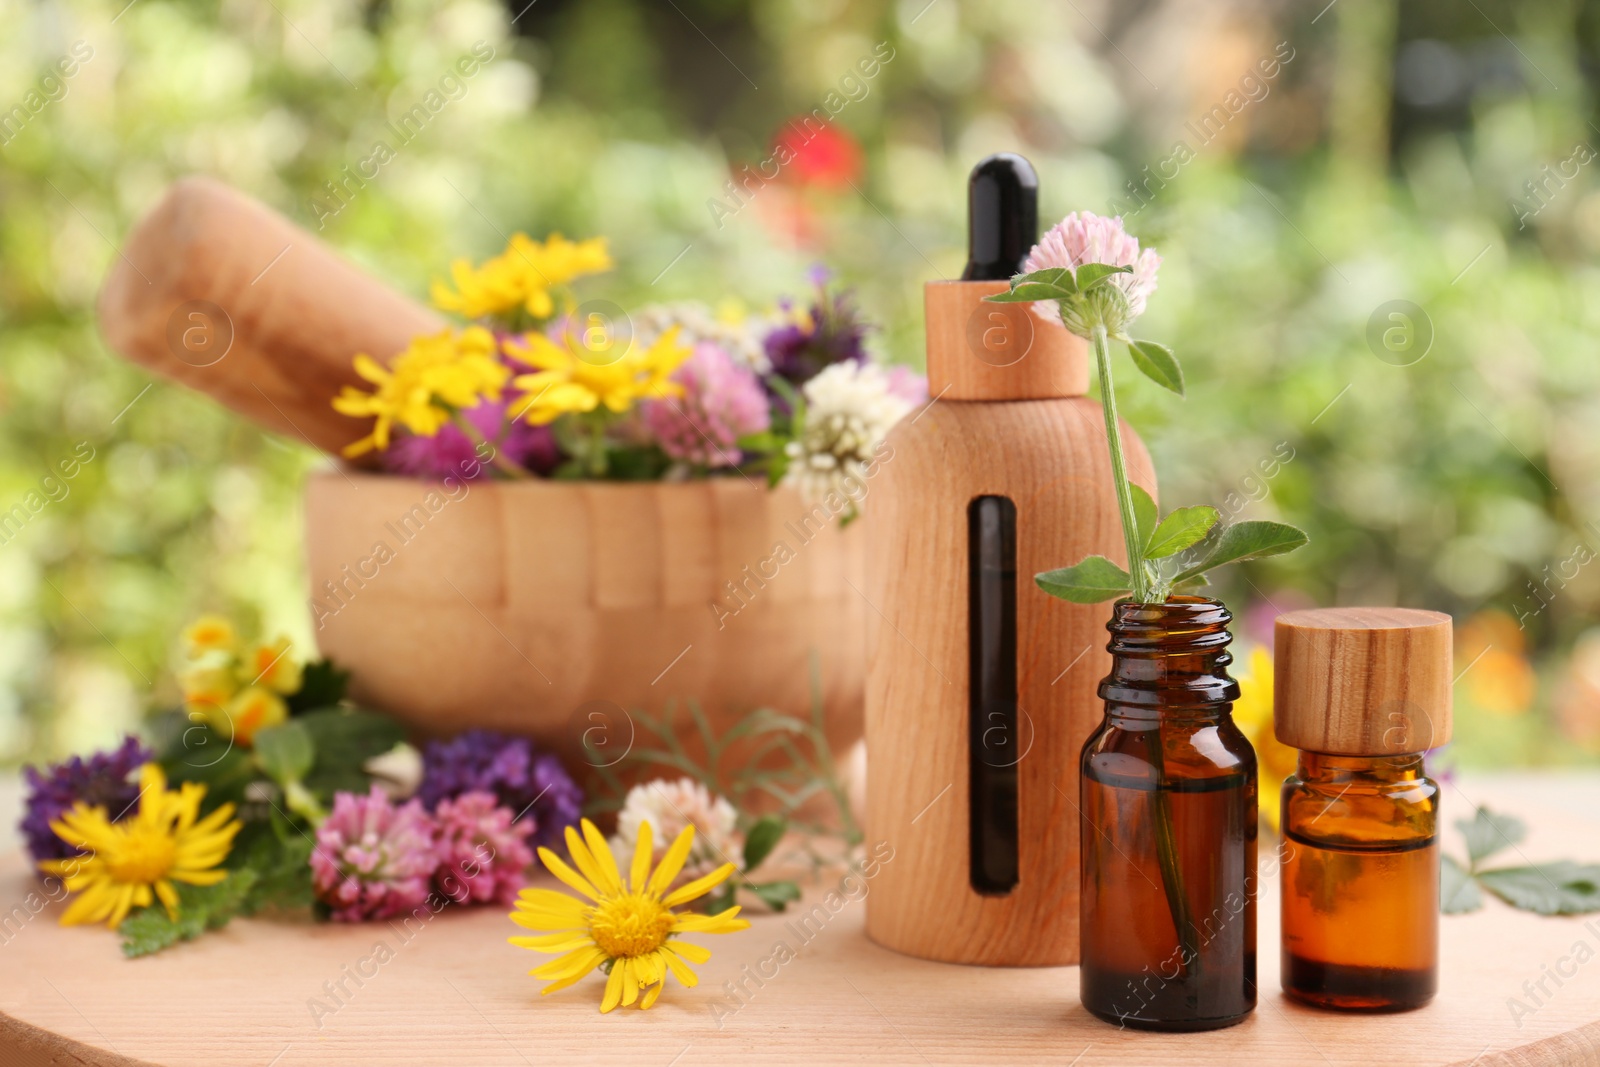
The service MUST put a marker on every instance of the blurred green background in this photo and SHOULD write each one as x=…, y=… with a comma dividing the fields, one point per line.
x=1427, y=152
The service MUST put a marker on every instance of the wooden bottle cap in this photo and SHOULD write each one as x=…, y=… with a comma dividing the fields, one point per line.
x=1362, y=681
x=983, y=351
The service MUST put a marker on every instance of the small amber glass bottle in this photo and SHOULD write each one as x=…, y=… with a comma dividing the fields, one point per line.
x=1168, y=898
x=1362, y=692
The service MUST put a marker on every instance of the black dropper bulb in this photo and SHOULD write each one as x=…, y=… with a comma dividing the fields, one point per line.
x=1002, y=217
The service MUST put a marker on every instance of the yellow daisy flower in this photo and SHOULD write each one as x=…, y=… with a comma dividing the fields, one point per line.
x=572, y=378
x=628, y=929
x=521, y=277
x=208, y=633
x=436, y=376
x=273, y=666
x=132, y=863
x=1252, y=712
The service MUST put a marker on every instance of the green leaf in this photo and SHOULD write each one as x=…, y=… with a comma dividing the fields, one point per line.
x=200, y=908
x=1060, y=277
x=1255, y=539
x=346, y=738
x=282, y=870
x=1144, y=513
x=1562, y=888
x=767, y=441
x=285, y=752
x=1090, y=275
x=193, y=752
x=1458, y=893
x=323, y=686
x=1090, y=582
x=1052, y=283
x=1028, y=292
x=1180, y=529
x=776, y=895
x=1488, y=833
x=762, y=838
x=1157, y=363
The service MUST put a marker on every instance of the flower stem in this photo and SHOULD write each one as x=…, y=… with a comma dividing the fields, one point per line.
x=1167, y=857
x=501, y=463
x=1119, y=467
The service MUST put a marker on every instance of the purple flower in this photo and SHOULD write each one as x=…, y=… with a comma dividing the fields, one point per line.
x=451, y=454
x=102, y=780
x=830, y=331
x=509, y=767
x=722, y=402
x=373, y=860
x=483, y=849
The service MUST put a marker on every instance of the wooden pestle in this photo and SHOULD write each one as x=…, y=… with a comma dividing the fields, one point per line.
x=220, y=293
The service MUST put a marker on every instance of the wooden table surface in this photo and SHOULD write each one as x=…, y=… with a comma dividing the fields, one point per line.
x=453, y=992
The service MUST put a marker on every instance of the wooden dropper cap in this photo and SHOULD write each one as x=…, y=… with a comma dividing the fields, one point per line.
x=1362, y=681
x=982, y=351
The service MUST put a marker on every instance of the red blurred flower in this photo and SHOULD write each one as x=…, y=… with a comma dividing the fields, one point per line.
x=823, y=154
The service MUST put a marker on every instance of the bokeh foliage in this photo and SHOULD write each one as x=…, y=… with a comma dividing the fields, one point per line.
x=1388, y=160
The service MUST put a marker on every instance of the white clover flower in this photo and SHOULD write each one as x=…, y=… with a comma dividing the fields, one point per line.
x=669, y=807
x=740, y=335
x=850, y=408
x=1083, y=237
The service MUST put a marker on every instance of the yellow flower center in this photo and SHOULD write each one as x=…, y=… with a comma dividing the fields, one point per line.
x=630, y=925
x=144, y=855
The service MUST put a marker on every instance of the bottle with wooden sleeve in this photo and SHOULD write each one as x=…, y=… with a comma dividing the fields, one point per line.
x=981, y=687
x=1363, y=693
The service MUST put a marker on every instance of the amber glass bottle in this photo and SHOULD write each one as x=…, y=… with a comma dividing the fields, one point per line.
x=1362, y=692
x=1360, y=882
x=1168, y=909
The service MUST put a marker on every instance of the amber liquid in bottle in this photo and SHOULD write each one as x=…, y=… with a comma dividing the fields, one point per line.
x=1360, y=883
x=1168, y=909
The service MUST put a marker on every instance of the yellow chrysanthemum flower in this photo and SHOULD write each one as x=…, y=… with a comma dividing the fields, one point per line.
x=1252, y=712
x=208, y=633
x=132, y=863
x=627, y=928
x=521, y=277
x=572, y=377
x=273, y=666
x=436, y=376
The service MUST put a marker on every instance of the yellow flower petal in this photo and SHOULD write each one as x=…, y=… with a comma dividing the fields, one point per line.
x=555, y=866
x=630, y=981
x=720, y=923
x=673, y=861
x=679, y=969
x=591, y=867
x=698, y=887
x=577, y=960
x=643, y=852
x=572, y=979
x=601, y=850
x=613, y=993
x=688, y=950
x=562, y=942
